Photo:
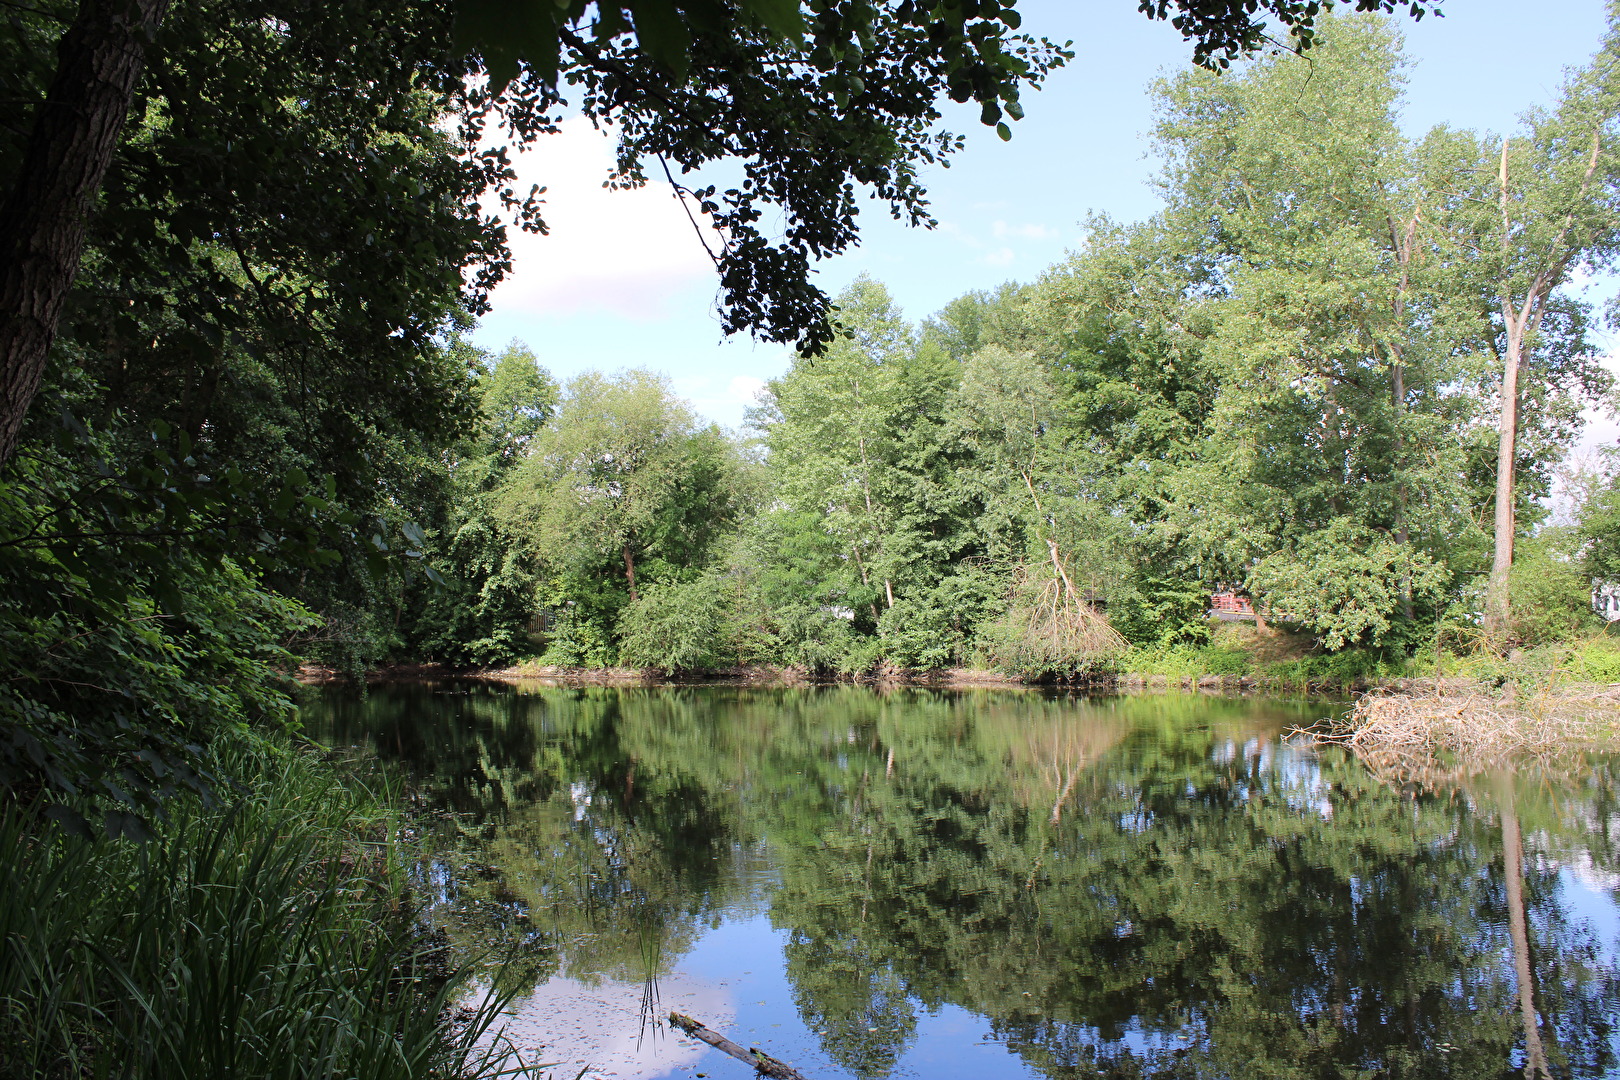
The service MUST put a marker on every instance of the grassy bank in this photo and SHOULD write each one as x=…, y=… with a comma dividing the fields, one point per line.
x=271, y=935
x=1275, y=659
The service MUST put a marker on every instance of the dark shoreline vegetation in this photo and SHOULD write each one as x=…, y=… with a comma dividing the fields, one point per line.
x=243, y=428
x=270, y=934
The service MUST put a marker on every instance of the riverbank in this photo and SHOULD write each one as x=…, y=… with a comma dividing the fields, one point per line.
x=765, y=675
x=1240, y=659
x=1189, y=677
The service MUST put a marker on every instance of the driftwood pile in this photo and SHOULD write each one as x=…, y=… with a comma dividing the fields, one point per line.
x=1478, y=725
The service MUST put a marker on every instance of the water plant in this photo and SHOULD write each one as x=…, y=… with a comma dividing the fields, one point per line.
x=268, y=935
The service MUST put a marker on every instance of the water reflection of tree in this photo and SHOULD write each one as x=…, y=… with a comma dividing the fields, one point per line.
x=554, y=841
x=1293, y=918
x=1138, y=887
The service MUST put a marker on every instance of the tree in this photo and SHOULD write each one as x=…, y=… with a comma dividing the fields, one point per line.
x=481, y=609
x=1034, y=512
x=1550, y=207
x=252, y=378
x=810, y=103
x=834, y=428
x=622, y=484
x=1336, y=319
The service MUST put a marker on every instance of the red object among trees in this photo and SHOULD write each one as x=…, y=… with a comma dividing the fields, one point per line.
x=1231, y=602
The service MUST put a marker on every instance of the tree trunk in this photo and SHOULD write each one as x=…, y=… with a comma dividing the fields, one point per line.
x=1519, y=324
x=1497, y=604
x=44, y=219
x=630, y=571
x=1397, y=389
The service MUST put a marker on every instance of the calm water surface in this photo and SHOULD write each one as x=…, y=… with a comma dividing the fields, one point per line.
x=1000, y=884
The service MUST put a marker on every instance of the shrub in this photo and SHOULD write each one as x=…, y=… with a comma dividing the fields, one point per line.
x=1551, y=593
x=937, y=628
x=677, y=627
x=1345, y=583
x=1597, y=660
x=1155, y=610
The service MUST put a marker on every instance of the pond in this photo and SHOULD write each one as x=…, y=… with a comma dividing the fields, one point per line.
x=999, y=883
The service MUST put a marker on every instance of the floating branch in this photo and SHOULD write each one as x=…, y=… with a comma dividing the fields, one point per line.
x=764, y=1063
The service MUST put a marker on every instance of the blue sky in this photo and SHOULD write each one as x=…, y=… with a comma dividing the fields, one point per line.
x=622, y=281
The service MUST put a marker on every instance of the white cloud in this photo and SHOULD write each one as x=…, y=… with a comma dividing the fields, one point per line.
x=625, y=253
x=1000, y=257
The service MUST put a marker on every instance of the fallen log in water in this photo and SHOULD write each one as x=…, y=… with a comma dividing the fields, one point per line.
x=767, y=1065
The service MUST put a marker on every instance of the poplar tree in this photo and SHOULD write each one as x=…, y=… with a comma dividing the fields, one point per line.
x=1546, y=209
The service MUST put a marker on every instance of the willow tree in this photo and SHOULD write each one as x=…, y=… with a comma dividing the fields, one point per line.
x=622, y=484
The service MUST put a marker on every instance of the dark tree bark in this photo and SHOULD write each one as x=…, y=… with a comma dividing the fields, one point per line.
x=44, y=218
x=630, y=571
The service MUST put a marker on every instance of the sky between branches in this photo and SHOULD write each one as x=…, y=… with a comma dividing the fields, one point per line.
x=622, y=280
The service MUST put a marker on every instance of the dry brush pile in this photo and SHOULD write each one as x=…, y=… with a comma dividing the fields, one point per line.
x=1468, y=733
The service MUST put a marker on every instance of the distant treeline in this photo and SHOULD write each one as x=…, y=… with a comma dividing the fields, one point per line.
x=1289, y=381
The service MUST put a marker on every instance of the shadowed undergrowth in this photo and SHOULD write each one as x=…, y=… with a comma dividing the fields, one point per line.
x=271, y=937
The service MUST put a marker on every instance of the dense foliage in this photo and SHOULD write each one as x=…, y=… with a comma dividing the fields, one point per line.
x=1288, y=382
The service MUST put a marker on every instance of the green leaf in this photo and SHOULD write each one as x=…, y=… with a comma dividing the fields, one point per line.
x=781, y=17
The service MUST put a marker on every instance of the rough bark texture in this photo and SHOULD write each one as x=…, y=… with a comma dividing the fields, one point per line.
x=630, y=571
x=44, y=217
x=1497, y=607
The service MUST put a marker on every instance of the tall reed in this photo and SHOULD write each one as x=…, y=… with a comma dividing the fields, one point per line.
x=268, y=937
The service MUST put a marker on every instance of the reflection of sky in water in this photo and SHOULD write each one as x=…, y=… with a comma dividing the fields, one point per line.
x=734, y=980
x=1589, y=896
x=571, y=1025
x=788, y=808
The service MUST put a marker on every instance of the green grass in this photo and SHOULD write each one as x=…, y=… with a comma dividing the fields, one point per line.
x=269, y=938
x=1591, y=659
x=1347, y=668
x=1186, y=661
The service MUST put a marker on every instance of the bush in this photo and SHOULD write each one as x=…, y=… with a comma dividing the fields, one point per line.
x=268, y=939
x=1345, y=583
x=937, y=628
x=1597, y=660
x=1161, y=611
x=1551, y=593
x=678, y=627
